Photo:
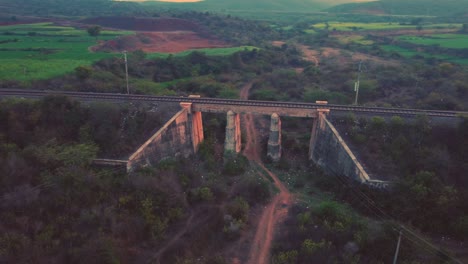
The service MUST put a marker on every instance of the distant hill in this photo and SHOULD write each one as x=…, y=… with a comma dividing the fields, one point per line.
x=259, y=5
x=407, y=7
x=105, y=7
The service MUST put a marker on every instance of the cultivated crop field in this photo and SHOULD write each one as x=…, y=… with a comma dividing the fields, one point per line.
x=41, y=51
x=353, y=26
x=451, y=41
x=408, y=53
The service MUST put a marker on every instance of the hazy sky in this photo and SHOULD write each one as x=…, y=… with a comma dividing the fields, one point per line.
x=187, y=1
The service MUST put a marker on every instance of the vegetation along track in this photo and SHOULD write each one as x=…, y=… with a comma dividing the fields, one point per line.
x=277, y=209
x=133, y=97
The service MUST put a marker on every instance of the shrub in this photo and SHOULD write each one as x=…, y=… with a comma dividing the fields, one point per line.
x=83, y=72
x=287, y=257
x=239, y=209
x=235, y=165
x=309, y=247
x=12, y=244
x=201, y=194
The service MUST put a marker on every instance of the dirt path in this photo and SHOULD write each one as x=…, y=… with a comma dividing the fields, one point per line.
x=310, y=55
x=277, y=209
x=157, y=256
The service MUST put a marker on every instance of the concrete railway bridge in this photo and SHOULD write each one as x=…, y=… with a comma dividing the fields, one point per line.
x=183, y=133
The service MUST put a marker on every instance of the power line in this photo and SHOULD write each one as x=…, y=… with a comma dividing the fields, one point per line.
x=422, y=243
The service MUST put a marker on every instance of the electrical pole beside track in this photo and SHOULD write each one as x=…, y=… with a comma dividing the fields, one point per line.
x=356, y=84
x=395, y=258
x=126, y=70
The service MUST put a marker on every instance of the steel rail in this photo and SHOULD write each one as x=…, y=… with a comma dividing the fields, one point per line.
x=218, y=101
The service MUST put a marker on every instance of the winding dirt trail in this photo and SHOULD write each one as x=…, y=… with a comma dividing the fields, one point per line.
x=156, y=257
x=277, y=209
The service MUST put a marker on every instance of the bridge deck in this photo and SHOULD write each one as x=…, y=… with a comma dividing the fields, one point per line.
x=265, y=106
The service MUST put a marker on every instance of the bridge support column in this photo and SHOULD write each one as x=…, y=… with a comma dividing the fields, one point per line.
x=195, y=123
x=232, y=144
x=319, y=124
x=274, y=141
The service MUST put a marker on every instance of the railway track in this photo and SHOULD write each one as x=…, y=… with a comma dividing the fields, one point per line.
x=216, y=101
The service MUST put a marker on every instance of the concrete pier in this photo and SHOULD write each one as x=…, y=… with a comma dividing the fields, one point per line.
x=232, y=144
x=274, y=141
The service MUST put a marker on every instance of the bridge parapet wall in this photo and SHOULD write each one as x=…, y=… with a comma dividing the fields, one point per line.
x=333, y=155
x=260, y=110
x=172, y=140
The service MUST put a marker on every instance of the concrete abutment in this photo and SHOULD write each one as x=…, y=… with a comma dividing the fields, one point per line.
x=180, y=136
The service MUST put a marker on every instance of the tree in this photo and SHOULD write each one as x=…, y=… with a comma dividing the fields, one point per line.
x=94, y=31
x=83, y=72
x=464, y=28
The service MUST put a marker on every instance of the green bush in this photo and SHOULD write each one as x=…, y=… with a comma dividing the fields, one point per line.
x=287, y=257
x=239, y=209
x=309, y=247
x=235, y=165
x=334, y=215
x=202, y=194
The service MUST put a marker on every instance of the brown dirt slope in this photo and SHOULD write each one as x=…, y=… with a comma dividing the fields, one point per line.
x=165, y=42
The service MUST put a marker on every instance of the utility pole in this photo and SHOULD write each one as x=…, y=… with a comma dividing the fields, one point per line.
x=356, y=84
x=397, y=249
x=126, y=70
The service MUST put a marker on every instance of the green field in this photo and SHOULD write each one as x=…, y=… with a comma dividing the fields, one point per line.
x=402, y=51
x=350, y=26
x=207, y=51
x=452, y=41
x=407, y=53
x=41, y=51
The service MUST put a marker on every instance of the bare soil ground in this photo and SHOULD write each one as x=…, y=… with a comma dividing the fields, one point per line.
x=344, y=56
x=165, y=35
x=165, y=42
x=310, y=55
x=277, y=209
x=278, y=43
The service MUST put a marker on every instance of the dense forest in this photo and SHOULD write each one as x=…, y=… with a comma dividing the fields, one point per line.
x=426, y=164
x=57, y=207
